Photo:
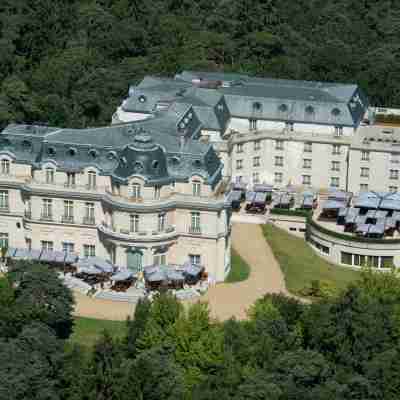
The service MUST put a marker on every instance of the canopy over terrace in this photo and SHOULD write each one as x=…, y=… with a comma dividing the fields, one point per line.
x=46, y=256
x=124, y=275
x=94, y=262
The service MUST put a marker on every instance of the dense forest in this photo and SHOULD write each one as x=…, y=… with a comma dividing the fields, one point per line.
x=69, y=63
x=341, y=348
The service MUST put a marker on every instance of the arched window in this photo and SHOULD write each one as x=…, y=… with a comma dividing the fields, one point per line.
x=155, y=164
x=92, y=178
x=135, y=191
x=5, y=166
x=72, y=151
x=93, y=153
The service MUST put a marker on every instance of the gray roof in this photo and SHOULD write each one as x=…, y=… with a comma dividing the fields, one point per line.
x=249, y=97
x=175, y=152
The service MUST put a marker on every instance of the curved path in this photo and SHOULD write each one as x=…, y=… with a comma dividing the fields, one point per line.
x=225, y=299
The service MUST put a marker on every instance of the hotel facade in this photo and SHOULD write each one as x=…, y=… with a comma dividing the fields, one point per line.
x=137, y=194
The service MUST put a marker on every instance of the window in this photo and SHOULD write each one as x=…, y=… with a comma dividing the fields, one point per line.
x=394, y=174
x=395, y=158
x=257, y=145
x=335, y=166
x=279, y=161
x=71, y=179
x=387, y=262
x=160, y=259
x=196, y=185
x=365, y=155
x=306, y=179
x=49, y=175
x=5, y=167
x=47, y=245
x=92, y=177
x=335, y=182
x=239, y=164
x=364, y=172
x=195, y=259
x=306, y=163
x=3, y=240
x=359, y=260
x=346, y=258
x=67, y=247
x=4, y=202
x=256, y=177
x=28, y=243
x=278, y=177
x=338, y=131
x=157, y=192
x=89, y=250
x=307, y=147
x=256, y=161
x=47, y=211
x=393, y=189
x=195, y=222
x=253, y=124
x=336, y=149
x=134, y=223
x=278, y=144
x=364, y=187
x=239, y=148
x=68, y=211
x=161, y=222
x=135, y=194
x=89, y=218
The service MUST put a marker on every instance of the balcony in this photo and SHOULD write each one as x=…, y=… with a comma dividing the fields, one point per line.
x=88, y=221
x=195, y=230
x=126, y=235
x=67, y=219
x=46, y=217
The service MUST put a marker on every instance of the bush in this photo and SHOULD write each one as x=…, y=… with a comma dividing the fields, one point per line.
x=291, y=213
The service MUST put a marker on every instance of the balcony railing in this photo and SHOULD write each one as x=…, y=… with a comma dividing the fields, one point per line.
x=46, y=217
x=70, y=185
x=196, y=230
x=67, y=219
x=28, y=214
x=89, y=221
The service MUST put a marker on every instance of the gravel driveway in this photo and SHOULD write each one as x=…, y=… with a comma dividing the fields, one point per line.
x=226, y=300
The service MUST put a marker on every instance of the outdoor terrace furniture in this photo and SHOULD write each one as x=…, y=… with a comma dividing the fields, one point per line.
x=376, y=231
x=362, y=229
x=341, y=196
x=330, y=209
x=123, y=275
x=250, y=196
x=258, y=204
x=283, y=200
x=263, y=188
x=234, y=199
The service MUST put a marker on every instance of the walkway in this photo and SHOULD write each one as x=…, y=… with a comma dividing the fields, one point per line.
x=225, y=299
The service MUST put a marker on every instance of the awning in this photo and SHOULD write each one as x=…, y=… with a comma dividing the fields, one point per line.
x=122, y=275
x=332, y=205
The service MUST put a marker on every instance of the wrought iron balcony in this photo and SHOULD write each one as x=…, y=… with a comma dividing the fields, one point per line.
x=89, y=221
x=195, y=230
x=46, y=217
x=67, y=219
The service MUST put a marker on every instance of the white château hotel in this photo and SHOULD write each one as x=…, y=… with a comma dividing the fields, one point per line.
x=148, y=189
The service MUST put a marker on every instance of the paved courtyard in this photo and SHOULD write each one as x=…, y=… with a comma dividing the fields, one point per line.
x=225, y=299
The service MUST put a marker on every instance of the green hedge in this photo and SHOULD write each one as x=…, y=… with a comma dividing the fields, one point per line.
x=291, y=213
x=342, y=236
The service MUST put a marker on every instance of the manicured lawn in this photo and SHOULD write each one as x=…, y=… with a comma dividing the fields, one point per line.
x=301, y=265
x=240, y=271
x=88, y=330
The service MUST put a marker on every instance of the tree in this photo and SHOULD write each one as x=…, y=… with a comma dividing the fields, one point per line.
x=41, y=296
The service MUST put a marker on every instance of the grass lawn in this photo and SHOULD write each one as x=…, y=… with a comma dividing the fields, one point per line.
x=240, y=271
x=301, y=265
x=88, y=330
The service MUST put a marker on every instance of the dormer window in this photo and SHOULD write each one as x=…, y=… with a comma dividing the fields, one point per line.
x=50, y=175
x=93, y=153
x=335, y=112
x=310, y=110
x=51, y=151
x=197, y=163
x=142, y=99
x=26, y=144
x=112, y=155
x=92, y=177
x=196, y=185
x=72, y=152
x=5, y=167
x=283, y=107
x=138, y=166
x=155, y=164
x=257, y=106
x=135, y=191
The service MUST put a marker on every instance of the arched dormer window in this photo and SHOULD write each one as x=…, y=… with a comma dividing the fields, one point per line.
x=335, y=112
x=310, y=110
x=72, y=151
x=196, y=186
x=92, y=179
x=93, y=153
x=135, y=191
x=155, y=164
x=257, y=106
x=51, y=151
x=5, y=166
x=283, y=107
x=197, y=163
x=138, y=166
x=112, y=155
x=49, y=175
x=26, y=144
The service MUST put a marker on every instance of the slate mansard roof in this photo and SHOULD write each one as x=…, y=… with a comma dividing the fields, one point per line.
x=217, y=96
x=160, y=149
